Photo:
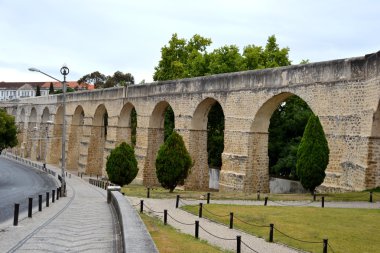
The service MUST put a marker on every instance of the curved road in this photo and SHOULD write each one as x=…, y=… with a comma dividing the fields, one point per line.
x=19, y=182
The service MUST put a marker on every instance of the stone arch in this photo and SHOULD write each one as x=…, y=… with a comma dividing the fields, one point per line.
x=31, y=134
x=373, y=168
x=155, y=139
x=257, y=175
x=199, y=176
x=124, y=130
x=76, y=131
x=55, y=154
x=97, y=141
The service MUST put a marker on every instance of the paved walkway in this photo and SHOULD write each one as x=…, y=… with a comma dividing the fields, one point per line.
x=80, y=222
x=184, y=221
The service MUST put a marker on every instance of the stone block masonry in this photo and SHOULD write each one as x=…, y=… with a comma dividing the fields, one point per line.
x=344, y=93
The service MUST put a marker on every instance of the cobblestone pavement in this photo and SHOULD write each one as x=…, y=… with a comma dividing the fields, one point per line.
x=80, y=222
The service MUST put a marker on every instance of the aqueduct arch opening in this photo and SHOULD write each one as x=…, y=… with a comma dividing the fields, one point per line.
x=95, y=158
x=76, y=131
x=127, y=124
x=199, y=177
x=257, y=177
x=156, y=134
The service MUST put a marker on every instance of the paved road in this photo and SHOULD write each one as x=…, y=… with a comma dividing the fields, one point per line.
x=19, y=182
x=80, y=222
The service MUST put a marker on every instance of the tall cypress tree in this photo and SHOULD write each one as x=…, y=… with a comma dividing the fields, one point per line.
x=51, y=89
x=312, y=155
x=38, y=91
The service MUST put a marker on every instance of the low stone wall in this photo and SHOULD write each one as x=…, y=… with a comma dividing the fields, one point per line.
x=134, y=234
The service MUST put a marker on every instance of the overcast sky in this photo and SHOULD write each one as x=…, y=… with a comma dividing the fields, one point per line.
x=126, y=35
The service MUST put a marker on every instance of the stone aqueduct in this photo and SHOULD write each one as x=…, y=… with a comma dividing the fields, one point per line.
x=344, y=93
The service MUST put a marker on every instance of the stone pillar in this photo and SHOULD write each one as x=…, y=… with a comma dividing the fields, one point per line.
x=373, y=171
x=95, y=151
x=84, y=141
x=155, y=140
x=198, y=179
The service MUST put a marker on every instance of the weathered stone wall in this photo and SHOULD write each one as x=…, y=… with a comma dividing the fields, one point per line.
x=344, y=94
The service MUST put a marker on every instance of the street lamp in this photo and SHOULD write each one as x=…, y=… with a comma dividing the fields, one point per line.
x=64, y=71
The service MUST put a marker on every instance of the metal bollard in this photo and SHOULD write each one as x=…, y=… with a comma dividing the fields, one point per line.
x=265, y=201
x=40, y=203
x=47, y=199
x=165, y=216
x=238, y=244
x=208, y=198
x=314, y=197
x=148, y=193
x=97, y=176
x=370, y=197
x=323, y=201
x=58, y=193
x=30, y=206
x=141, y=206
x=231, y=220
x=15, y=217
x=271, y=226
x=200, y=210
x=325, y=245
x=196, y=229
x=52, y=196
x=177, y=202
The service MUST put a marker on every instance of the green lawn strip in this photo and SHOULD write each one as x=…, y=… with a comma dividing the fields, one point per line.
x=348, y=230
x=170, y=240
x=160, y=193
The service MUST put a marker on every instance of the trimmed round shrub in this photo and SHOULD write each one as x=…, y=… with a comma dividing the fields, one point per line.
x=122, y=165
x=173, y=162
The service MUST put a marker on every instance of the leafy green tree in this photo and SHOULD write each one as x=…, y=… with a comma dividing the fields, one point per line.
x=68, y=89
x=312, y=155
x=226, y=59
x=173, y=162
x=8, y=131
x=96, y=78
x=38, y=91
x=274, y=56
x=286, y=128
x=119, y=79
x=121, y=165
x=215, y=136
x=51, y=88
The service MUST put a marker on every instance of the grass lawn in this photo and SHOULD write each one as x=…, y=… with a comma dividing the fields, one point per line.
x=348, y=230
x=159, y=192
x=169, y=240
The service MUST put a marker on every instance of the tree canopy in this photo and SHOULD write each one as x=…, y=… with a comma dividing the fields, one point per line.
x=8, y=130
x=102, y=81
